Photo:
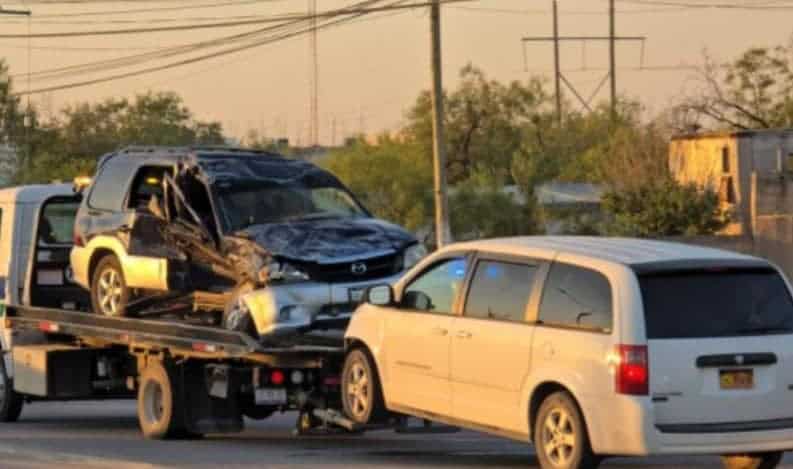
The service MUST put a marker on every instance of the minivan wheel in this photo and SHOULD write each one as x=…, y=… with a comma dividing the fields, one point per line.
x=109, y=292
x=752, y=461
x=362, y=397
x=560, y=436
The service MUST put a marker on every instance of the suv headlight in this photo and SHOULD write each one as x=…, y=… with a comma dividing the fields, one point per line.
x=285, y=272
x=413, y=255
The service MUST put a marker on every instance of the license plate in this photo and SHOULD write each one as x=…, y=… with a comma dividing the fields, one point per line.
x=356, y=295
x=270, y=396
x=736, y=379
x=49, y=277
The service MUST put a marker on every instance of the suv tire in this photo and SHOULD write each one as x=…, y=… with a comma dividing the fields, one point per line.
x=10, y=401
x=752, y=461
x=362, y=396
x=109, y=292
x=560, y=435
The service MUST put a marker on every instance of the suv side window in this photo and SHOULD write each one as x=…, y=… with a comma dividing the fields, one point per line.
x=435, y=290
x=147, y=182
x=110, y=185
x=500, y=290
x=576, y=297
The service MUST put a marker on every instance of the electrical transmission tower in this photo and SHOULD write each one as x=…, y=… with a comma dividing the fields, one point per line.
x=314, y=82
x=611, y=76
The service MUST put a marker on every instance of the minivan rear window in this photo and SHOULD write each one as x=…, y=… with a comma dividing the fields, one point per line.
x=716, y=303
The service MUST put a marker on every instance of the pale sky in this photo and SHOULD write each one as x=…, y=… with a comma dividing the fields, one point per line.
x=372, y=69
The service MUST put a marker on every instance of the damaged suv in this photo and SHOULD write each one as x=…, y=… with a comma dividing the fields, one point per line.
x=251, y=240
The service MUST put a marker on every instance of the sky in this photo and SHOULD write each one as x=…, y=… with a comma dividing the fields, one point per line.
x=372, y=69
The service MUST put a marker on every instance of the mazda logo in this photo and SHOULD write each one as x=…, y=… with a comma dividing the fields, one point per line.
x=739, y=359
x=359, y=268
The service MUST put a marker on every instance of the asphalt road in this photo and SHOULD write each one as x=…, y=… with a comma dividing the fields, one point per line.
x=93, y=435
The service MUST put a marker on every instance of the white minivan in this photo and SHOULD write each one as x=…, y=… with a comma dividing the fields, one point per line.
x=587, y=347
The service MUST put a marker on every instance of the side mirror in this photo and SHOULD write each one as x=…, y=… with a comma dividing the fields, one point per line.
x=380, y=295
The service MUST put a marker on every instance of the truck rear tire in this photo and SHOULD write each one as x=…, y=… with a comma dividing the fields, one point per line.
x=10, y=401
x=752, y=461
x=160, y=410
x=109, y=292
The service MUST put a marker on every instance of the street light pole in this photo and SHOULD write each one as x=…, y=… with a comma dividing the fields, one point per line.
x=442, y=231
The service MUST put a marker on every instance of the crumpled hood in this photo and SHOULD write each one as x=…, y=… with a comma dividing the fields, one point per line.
x=330, y=240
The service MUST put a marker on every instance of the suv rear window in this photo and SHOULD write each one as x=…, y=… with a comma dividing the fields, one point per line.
x=716, y=303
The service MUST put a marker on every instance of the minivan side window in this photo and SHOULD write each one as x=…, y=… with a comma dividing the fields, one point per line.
x=109, y=187
x=500, y=291
x=576, y=297
x=435, y=290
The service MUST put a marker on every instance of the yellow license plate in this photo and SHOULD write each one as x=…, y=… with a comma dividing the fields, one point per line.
x=736, y=379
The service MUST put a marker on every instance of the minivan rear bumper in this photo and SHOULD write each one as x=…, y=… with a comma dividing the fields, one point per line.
x=628, y=428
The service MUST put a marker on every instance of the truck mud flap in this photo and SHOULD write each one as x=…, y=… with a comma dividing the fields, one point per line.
x=209, y=398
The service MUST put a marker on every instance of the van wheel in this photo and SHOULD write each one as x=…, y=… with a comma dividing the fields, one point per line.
x=752, y=461
x=160, y=412
x=109, y=292
x=560, y=436
x=10, y=401
x=362, y=397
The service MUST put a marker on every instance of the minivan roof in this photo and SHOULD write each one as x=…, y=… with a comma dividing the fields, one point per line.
x=34, y=193
x=627, y=251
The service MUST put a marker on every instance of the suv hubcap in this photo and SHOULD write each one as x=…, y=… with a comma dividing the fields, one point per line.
x=358, y=389
x=109, y=292
x=558, y=437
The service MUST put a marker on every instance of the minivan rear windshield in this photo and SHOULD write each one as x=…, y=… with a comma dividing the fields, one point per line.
x=716, y=303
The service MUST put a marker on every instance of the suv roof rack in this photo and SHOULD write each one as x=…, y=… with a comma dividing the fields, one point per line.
x=171, y=150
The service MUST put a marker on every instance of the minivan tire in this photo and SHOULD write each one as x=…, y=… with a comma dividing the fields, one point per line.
x=11, y=402
x=561, y=440
x=109, y=292
x=768, y=460
x=362, y=395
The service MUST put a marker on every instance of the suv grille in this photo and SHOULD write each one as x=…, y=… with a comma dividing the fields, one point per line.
x=365, y=269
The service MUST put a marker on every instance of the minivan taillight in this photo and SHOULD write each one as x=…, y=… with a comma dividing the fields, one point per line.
x=633, y=371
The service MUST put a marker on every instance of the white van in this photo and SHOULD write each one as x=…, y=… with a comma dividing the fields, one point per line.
x=44, y=213
x=586, y=347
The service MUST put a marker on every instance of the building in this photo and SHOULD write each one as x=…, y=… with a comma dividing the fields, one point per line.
x=725, y=161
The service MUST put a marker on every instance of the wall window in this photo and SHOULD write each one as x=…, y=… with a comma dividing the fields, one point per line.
x=435, y=290
x=576, y=297
x=725, y=159
x=500, y=291
x=727, y=190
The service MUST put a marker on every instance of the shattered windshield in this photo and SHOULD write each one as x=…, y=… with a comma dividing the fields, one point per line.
x=244, y=205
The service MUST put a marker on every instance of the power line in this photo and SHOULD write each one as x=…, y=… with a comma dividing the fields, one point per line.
x=105, y=13
x=767, y=6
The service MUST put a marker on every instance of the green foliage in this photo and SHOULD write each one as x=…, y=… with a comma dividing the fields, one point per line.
x=392, y=179
x=663, y=209
x=485, y=212
x=70, y=144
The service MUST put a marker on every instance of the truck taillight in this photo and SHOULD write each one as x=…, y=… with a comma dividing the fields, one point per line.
x=633, y=370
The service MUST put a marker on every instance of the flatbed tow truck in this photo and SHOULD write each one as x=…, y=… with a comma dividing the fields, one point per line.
x=188, y=379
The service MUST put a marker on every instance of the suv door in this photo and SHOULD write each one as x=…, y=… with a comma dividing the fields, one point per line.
x=418, y=338
x=491, y=343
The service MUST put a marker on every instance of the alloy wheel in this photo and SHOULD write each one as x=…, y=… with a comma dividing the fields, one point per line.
x=110, y=292
x=358, y=390
x=558, y=437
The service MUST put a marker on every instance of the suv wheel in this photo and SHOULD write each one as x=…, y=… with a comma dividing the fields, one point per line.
x=560, y=436
x=361, y=397
x=752, y=461
x=109, y=292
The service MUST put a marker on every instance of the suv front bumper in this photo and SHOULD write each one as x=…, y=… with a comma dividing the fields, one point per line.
x=289, y=308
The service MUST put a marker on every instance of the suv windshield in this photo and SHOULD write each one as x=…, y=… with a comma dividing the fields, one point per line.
x=244, y=205
x=716, y=303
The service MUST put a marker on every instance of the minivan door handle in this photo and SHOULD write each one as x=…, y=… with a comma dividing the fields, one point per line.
x=439, y=331
x=464, y=335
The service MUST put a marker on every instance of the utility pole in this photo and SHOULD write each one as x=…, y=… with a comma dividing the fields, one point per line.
x=314, y=119
x=557, y=60
x=613, y=59
x=442, y=231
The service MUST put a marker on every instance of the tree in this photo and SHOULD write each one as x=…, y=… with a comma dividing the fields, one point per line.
x=755, y=91
x=666, y=208
x=487, y=212
x=393, y=179
x=484, y=120
x=70, y=144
